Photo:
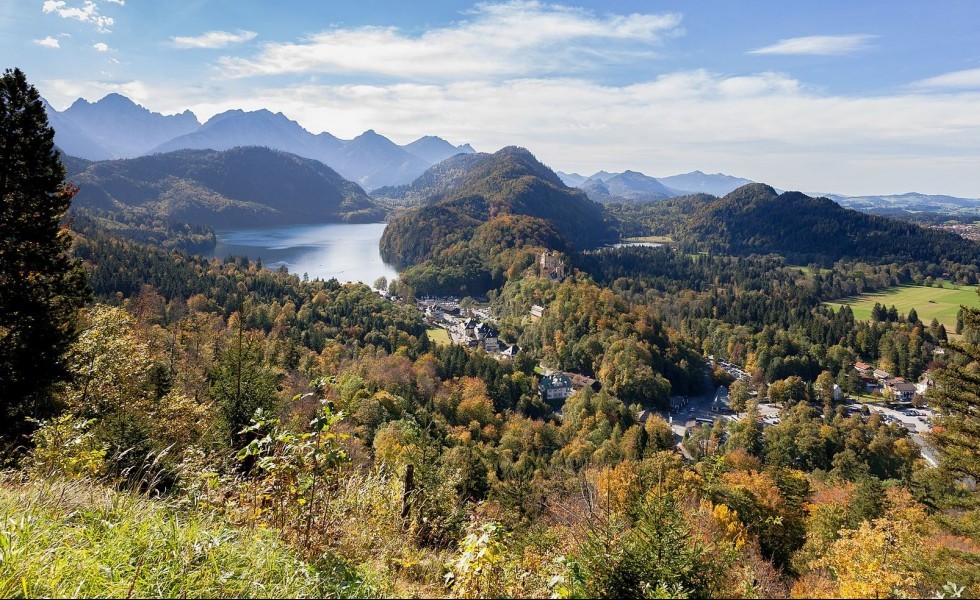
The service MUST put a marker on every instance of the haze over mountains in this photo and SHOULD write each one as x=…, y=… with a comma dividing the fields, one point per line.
x=631, y=187
x=115, y=127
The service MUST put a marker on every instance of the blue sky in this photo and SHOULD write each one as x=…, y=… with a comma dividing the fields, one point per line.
x=831, y=96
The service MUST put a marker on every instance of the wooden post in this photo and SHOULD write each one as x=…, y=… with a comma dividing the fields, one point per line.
x=409, y=488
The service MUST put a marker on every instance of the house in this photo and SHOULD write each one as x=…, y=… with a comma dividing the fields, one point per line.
x=862, y=368
x=881, y=375
x=902, y=392
x=556, y=386
x=580, y=381
x=489, y=336
x=924, y=384
x=448, y=309
x=511, y=351
x=890, y=381
x=536, y=312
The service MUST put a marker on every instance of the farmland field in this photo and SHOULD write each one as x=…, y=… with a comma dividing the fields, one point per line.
x=929, y=302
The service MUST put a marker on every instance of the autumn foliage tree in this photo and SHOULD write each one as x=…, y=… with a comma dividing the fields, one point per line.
x=43, y=287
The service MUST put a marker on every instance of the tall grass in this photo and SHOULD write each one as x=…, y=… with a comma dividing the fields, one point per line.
x=79, y=539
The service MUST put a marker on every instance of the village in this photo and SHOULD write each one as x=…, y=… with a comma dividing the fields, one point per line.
x=473, y=327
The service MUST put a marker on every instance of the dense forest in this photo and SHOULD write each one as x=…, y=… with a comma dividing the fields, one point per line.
x=184, y=426
x=480, y=218
x=238, y=187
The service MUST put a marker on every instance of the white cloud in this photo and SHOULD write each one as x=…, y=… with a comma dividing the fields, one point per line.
x=819, y=45
x=119, y=2
x=88, y=12
x=966, y=79
x=765, y=126
x=62, y=92
x=214, y=39
x=48, y=42
x=101, y=47
x=518, y=38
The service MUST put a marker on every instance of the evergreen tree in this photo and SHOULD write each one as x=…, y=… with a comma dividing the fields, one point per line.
x=242, y=383
x=43, y=287
x=957, y=398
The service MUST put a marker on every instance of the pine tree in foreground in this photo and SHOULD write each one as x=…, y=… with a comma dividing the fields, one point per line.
x=41, y=286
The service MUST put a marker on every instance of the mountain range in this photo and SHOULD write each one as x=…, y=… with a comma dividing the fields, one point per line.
x=631, y=187
x=116, y=127
x=910, y=203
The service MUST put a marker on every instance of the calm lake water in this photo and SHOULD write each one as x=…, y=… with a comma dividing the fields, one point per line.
x=345, y=251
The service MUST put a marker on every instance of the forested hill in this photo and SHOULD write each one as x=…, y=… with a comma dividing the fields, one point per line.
x=239, y=187
x=484, y=188
x=755, y=219
x=483, y=216
x=437, y=181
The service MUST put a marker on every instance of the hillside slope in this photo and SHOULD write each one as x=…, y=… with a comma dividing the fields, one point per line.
x=755, y=219
x=483, y=218
x=480, y=188
x=232, y=188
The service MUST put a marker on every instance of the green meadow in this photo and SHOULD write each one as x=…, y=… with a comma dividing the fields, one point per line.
x=440, y=336
x=929, y=302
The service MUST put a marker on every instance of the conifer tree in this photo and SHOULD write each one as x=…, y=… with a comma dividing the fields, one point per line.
x=957, y=398
x=42, y=286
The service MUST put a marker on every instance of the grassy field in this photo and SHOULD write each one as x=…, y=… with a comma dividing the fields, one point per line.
x=651, y=239
x=929, y=302
x=80, y=540
x=439, y=336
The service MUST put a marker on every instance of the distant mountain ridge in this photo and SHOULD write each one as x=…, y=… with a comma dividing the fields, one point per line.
x=115, y=127
x=241, y=187
x=633, y=186
x=628, y=186
x=912, y=202
x=437, y=181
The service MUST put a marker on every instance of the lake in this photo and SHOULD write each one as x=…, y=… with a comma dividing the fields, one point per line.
x=348, y=252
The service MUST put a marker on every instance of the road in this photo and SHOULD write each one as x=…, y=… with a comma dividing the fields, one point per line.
x=700, y=407
x=916, y=426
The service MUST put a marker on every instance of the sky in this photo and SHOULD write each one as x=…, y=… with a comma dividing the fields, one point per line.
x=870, y=97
